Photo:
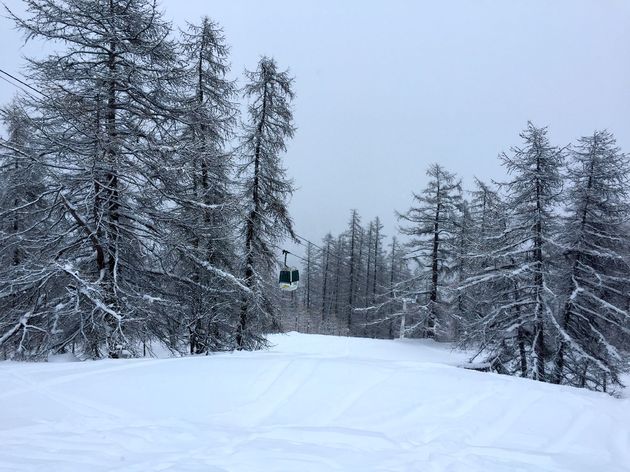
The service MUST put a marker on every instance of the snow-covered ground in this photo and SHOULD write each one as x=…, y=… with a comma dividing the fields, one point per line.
x=312, y=403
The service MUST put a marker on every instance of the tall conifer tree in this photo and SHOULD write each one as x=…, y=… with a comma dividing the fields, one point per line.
x=266, y=190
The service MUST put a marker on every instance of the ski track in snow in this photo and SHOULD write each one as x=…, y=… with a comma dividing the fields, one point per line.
x=311, y=403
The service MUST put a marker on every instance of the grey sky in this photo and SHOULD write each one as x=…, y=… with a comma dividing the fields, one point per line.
x=385, y=88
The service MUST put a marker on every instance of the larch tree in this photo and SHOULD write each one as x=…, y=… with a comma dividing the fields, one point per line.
x=309, y=270
x=431, y=224
x=355, y=239
x=375, y=298
x=394, y=304
x=378, y=274
x=108, y=102
x=369, y=263
x=25, y=245
x=594, y=322
x=203, y=208
x=401, y=285
x=340, y=254
x=326, y=266
x=532, y=197
x=517, y=330
x=266, y=190
x=461, y=301
x=482, y=283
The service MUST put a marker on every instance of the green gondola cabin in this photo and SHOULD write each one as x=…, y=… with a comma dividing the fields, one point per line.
x=289, y=278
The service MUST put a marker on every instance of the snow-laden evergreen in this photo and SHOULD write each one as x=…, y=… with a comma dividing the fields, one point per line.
x=593, y=319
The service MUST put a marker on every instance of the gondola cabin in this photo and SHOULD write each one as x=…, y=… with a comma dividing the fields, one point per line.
x=289, y=278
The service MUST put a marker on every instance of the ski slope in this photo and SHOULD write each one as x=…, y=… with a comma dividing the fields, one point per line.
x=311, y=403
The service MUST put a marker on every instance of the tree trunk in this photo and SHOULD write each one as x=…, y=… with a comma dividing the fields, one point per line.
x=431, y=319
x=251, y=230
x=114, y=338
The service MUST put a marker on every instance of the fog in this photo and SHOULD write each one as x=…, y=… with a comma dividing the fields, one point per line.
x=386, y=88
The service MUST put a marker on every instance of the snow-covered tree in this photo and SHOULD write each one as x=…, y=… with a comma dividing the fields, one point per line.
x=22, y=183
x=379, y=269
x=486, y=234
x=355, y=239
x=375, y=281
x=309, y=270
x=432, y=225
x=369, y=238
x=326, y=276
x=202, y=208
x=109, y=95
x=517, y=329
x=266, y=189
x=25, y=243
x=594, y=322
x=462, y=302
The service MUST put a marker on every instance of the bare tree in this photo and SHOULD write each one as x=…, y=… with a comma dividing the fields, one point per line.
x=108, y=102
x=594, y=323
x=266, y=189
x=432, y=226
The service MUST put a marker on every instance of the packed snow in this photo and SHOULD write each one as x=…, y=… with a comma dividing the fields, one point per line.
x=310, y=403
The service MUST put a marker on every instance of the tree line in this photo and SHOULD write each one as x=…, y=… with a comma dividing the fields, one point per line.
x=533, y=273
x=136, y=202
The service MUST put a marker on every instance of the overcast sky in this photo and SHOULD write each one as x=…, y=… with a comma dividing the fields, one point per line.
x=386, y=88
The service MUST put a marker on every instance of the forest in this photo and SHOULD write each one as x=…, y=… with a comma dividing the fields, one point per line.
x=144, y=199
x=531, y=272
